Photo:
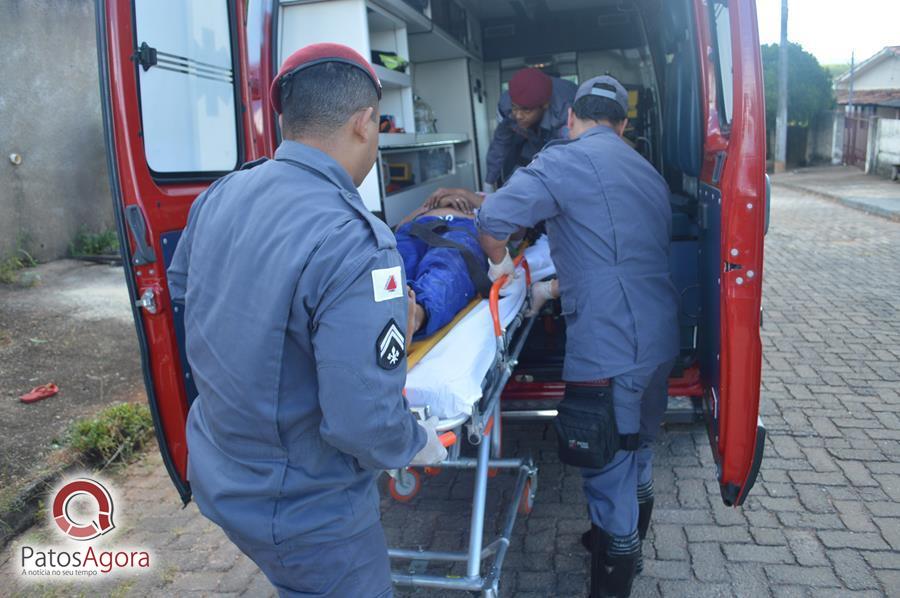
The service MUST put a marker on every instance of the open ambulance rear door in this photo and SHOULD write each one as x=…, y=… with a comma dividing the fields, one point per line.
x=733, y=208
x=178, y=115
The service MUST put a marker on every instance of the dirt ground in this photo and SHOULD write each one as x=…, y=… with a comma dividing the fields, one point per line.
x=73, y=327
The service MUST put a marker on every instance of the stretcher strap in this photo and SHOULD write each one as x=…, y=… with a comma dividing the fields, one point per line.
x=419, y=349
x=498, y=284
x=430, y=234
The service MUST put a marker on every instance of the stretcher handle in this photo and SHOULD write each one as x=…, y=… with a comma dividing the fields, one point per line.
x=495, y=292
x=448, y=439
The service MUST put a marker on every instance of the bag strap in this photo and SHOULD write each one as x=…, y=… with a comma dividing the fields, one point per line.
x=629, y=442
x=430, y=235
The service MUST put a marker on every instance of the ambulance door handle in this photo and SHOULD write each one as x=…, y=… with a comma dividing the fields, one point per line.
x=768, y=204
x=143, y=253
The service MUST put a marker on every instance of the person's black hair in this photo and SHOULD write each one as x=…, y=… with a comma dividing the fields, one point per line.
x=598, y=108
x=318, y=100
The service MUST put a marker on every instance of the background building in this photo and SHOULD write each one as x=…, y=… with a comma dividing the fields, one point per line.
x=867, y=128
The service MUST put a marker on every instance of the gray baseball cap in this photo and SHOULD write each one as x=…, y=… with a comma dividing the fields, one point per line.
x=589, y=87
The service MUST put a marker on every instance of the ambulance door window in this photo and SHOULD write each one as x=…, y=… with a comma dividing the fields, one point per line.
x=187, y=90
x=721, y=23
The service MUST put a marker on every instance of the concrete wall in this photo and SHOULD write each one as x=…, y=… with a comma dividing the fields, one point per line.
x=837, y=138
x=886, y=146
x=50, y=116
x=820, y=138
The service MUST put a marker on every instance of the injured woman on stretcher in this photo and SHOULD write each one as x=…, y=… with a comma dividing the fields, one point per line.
x=446, y=268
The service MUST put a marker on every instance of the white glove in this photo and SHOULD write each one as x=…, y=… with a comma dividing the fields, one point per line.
x=541, y=293
x=433, y=452
x=505, y=267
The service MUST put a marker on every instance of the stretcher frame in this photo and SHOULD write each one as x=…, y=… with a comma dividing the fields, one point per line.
x=483, y=429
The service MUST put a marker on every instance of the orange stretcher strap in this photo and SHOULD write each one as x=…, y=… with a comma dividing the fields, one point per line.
x=495, y=292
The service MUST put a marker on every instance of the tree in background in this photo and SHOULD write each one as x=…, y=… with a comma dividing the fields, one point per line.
x=809, y=93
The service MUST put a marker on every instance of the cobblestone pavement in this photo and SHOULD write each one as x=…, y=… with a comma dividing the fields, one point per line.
x=823, y=520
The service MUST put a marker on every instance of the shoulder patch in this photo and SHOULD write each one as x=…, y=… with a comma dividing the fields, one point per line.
x=390, y=346
x=387, y=283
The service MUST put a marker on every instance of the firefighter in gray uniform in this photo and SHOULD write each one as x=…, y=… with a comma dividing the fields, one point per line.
x=608, y=219
x=296, y=310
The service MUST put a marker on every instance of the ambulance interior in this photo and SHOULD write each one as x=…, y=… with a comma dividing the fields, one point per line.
x=441, y=110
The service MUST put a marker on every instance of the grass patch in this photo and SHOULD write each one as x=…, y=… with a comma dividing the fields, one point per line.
x=86, y=243
x=9, y=269
x=116, y=433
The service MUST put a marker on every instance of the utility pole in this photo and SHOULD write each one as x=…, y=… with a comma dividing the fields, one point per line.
x=852, y=69
x=781, y=121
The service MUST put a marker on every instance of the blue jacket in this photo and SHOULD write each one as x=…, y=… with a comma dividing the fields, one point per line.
x=439, y=275
x=511, y=147
x=608, y=220
x=290, y=285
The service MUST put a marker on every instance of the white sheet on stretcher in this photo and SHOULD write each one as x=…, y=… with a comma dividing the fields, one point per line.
x=449, y=377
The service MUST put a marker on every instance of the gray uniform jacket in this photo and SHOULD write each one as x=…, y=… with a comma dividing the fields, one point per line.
x=512, y=147
x=284, y=274
x=608, y=219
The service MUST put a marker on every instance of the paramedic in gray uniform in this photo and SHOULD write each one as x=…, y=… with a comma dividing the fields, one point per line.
x=296, y=316
x=608, y=219
x=534, y=111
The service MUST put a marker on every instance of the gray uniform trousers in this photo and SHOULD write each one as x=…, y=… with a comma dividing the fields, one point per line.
x=356, y=566
x=639, y=399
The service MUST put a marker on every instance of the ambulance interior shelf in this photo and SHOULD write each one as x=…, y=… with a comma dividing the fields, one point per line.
x=404, y=168
x=412, y=166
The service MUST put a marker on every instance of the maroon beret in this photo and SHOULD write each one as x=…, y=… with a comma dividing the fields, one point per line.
x=314, y=54
x=530, y=88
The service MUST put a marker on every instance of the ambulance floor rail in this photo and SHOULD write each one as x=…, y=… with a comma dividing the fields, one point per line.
x=484, y=431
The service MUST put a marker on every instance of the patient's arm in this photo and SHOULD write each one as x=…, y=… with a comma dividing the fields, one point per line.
x=416, y=316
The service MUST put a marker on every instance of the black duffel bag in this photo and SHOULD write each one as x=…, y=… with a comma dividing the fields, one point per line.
x=586, y=427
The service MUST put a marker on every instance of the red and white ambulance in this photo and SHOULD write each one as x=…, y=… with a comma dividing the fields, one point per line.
x=185, y=100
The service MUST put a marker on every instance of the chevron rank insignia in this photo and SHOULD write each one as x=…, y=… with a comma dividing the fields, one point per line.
x=390, y=348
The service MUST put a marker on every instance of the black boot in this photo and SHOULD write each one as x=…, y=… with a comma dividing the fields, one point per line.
x=599, y=573
x=613, y=563
x=645, y=509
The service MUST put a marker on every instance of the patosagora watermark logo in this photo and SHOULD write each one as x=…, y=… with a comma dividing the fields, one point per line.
x=81, y=511
x=83, y=531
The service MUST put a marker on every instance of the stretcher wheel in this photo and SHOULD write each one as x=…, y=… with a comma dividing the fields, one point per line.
x=405, y=487
x=526, y=503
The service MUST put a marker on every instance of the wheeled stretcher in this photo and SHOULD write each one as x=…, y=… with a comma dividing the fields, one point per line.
x=459, y=377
